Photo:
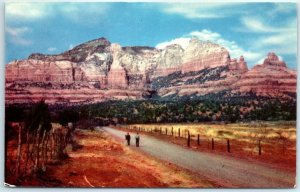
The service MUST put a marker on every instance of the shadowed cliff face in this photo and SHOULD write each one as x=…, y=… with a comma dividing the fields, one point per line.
x=98, y=70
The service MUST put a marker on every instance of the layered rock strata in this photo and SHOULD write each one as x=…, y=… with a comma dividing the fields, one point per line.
x=98, y=70
x=200, y=55
x=270, y=78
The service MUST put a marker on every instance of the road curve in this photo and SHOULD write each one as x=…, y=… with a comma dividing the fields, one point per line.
x=225, y=171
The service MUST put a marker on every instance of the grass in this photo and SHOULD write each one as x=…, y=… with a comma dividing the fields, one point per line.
x=277, y=139
x=254, y=130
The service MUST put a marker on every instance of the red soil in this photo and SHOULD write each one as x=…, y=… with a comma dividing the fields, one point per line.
x=105, y=162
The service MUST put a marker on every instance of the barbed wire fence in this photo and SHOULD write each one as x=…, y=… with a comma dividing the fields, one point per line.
x=255, y=144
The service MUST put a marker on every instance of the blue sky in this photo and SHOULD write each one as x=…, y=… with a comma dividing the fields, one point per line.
x=248, y=29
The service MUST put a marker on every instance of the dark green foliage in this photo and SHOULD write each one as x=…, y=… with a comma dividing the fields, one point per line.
x=68, y=115
x=273, y=110
x=97, y=85
x=14, y=114
x=210, y=74
x=136, y=49
x=213, y=107
x=10, y=132
x=177, y=78
x=222, y=106
x=230, y=113
x=78, y=53
x=49, y=85
x=135, y=79
x=39, y=118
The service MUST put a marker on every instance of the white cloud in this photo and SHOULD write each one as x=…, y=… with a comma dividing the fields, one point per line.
x=86, y=13
x=206, y=35
x=17, y=31
x=51, y=49
x=182, y=41
x=283, y=8
x=71, y=46
x=286, y=43
x=75, y=12
x=234, y=49
x=254, y=25
x=259, y=25
x=16, y=35
x=201, y=10
x=26, y=10
x=282, y=39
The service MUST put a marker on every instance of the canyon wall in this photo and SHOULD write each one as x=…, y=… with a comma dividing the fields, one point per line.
x=98, y=70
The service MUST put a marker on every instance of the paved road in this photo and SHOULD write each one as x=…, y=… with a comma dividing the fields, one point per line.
x=225, y=171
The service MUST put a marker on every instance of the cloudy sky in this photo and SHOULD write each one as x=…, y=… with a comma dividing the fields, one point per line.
x=248, y=29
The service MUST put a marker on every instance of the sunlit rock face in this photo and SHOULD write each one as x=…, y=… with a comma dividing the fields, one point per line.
x=238, y=66
x=117, y=77
x=273, y=60
x=270, y=78
x=170, y=60
x=44, y=71
x=200, y=55
x=98, y=70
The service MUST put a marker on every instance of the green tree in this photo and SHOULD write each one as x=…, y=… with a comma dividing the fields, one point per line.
x=39, y=119
x=14, y=114
x=68, y=115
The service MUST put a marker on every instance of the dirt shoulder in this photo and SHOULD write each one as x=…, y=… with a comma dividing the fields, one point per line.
x=106, y=162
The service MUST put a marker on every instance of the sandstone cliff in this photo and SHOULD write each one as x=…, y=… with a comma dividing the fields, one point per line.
x=271, y=78
x=98, y=70
x=200, y=55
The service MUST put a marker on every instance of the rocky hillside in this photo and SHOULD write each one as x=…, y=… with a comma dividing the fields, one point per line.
x=271, y=78
x=98, y=70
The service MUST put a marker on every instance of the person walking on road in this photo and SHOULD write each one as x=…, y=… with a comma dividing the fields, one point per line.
x=137, y=140
x=127, y=137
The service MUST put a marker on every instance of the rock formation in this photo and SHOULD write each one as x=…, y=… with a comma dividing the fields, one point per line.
x=200, y=55
x=98, y=70
x=117, y=77
x=270, y=78
x=240, y=66
x=170, y=60
x=44, y=71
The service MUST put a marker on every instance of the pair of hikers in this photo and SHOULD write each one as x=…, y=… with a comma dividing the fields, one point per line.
x=137, y=139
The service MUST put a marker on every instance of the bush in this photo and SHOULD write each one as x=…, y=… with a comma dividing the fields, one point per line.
x=68, y=115
x=39, y=118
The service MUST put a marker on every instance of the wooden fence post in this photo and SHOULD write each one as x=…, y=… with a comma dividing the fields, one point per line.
x=27, y=151
x=198, y=139
x=46, y=150
x=259, y=147
x=283, y=145
x=212, y=144
x=37, y=149
x=19, y=152
x=172, y=131
x=179, y=132
x=189, y=139
x=160, y=130
x=228, y=146
x=43, y=149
